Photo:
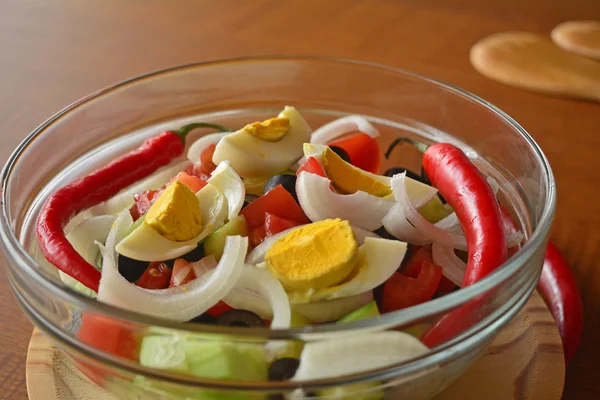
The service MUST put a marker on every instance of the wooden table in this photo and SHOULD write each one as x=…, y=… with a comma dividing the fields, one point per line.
x=54, y=52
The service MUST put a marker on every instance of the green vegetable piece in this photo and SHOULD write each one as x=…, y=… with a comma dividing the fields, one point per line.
x=215, y=244
x=163, y=352
x=293, y=348
x=226, y=360
x=367, y=311
x=435, y=210
x=137, y=223
x=78, y=286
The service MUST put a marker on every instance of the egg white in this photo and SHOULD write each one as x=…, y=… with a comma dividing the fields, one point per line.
x=252, y=157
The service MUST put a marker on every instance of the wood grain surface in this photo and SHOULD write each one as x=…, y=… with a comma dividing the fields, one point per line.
x=54, y=52
x=525, y=362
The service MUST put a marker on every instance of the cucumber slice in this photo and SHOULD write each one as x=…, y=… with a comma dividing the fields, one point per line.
x=369, y=310
x=216, y=242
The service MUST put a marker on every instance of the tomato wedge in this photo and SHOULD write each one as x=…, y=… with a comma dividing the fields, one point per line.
x=401, y=291
x=156, y=276
x=277, y=201
x=257, y=235
x=193, y=182
x=179, y=265
x=363, y=150
x=219, y=309
x=275, y=225
x=413, y=267
x=312, y=165
x=206, y=156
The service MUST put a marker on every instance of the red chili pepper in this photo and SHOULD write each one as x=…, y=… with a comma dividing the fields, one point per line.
x=559, y=289
x=478, y=212
x=97, y=187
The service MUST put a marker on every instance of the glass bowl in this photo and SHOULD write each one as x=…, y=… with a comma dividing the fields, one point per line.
x=92, y=131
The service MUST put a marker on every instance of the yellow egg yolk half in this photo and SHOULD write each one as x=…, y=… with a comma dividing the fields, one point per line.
x=348, y=179
x=176, y=213
x=315, y=256
x=270, y=130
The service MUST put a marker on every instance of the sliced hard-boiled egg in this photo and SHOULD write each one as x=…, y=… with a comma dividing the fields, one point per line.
x=145, y=243
x=228, y=182
x=176, y=213
x=378, y=260
x=419, y=193
x=314, y=256
x=346, y=178
x=319, y=202
x=253, y=156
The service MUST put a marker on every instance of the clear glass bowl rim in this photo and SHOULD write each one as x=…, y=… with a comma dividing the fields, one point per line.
x=26, y=263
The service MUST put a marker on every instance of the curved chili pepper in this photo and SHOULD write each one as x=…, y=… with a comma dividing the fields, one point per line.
x=559, y=290
x=469, y=194
x=97, y=187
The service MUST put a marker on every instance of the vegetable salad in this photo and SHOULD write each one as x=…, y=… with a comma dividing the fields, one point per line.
x=273, y=225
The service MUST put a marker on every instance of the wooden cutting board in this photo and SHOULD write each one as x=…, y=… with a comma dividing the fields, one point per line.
x=525, y=362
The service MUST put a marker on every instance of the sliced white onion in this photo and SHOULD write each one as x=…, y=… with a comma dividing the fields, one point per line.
x=259, y=285
x=227, y=181
x=332, y=310
x=397, y=225
x=202, y=143
x=178, y=303
x=257, y=255
x=349, y=354
x=341, y=126
x=84, y=236
x=453, y=267
x=181, y=274
x=205, y=265
x=419, y=222
x=157, y=180
x=319, y=202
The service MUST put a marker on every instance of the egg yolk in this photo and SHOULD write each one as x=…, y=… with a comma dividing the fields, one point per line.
x=348, y=179
x=176, y=213
x=270, y=130
x=314, y=256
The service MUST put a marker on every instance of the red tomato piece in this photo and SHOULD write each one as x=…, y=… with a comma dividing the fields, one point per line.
x=312, y=165
x=206, y=156
x=180, y=264
x=196, y=170
x=156, y=276
x=143, y=202
x=413, y=266
x=401, y=291
x=275, y=225
x=108, y=335
x=218, y=309
x=362, y=149
x=257, y=235
x=446, y=286
x=277, y=201
x=193, y=182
